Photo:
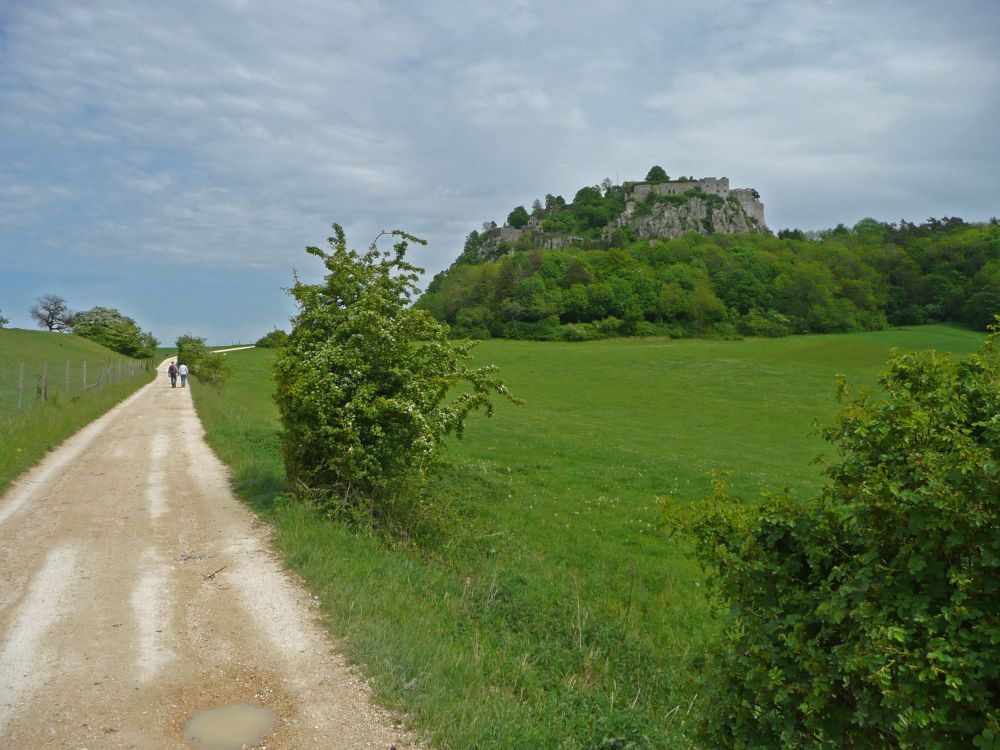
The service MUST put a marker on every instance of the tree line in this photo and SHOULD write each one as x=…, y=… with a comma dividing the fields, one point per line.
x=840, y=280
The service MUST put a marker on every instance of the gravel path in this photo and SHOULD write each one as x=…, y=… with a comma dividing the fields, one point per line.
x=136, y=591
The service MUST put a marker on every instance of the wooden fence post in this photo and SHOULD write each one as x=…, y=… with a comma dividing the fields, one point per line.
x=45, y=380
x=20, y=387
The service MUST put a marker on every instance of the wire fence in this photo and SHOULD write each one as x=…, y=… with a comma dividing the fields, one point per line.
x=31, y=384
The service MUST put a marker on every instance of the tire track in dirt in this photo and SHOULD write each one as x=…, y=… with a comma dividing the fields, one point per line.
x=149, y=599
x=22, y=665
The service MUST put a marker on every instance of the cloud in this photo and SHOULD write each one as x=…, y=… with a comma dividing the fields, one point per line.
x=212, y=136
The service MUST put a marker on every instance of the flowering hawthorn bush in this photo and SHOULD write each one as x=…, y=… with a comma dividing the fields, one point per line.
x=367, y=386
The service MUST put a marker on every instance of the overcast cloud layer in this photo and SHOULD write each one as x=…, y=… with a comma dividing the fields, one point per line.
x=173, y=159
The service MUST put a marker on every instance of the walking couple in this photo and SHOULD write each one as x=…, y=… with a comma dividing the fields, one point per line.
x=173, y=371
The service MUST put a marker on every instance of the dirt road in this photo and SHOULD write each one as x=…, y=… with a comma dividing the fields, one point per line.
x=135, y=592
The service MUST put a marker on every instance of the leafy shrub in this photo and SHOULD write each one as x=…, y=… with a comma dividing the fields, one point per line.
x=645, y=328
x=190, y=349
x=725, y=330
x=546, y=329
x=868, y=617
x=203, y=363
x=212, y=369
x=117, y=332
x=365, y=384
x=771, y=324
x=609, y=326
x=273, y=339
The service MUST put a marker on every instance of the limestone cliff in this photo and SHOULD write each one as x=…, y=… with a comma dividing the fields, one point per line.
x=705, y=214
x=615, y=213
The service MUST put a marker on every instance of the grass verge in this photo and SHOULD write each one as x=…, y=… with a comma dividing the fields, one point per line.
x=25, y=439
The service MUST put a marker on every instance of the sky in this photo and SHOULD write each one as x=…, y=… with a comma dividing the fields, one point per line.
x=173, y=159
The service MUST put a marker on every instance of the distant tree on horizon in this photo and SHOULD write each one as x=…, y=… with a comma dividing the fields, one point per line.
x=52, y=312
x=518, y=218
x=657, y=174
x=273, y=339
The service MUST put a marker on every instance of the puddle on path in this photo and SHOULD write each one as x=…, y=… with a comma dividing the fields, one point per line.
x=229, y=727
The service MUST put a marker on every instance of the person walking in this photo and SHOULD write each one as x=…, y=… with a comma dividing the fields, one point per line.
x=172, y=372
x=184, y=375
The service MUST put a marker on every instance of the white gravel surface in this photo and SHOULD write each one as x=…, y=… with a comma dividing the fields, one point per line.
x=113, y=628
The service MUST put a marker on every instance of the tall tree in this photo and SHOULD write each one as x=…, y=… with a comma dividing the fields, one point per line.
x=657, y=174
x=51, y=311
x=518, y=218
x=118, y=332
x=554, y=202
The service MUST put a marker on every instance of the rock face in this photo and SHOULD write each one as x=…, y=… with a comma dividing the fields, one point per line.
x=705, y=215
x=653, y=211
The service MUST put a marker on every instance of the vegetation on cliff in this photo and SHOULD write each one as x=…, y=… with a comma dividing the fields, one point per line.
x=845, y=279
x=606, y=215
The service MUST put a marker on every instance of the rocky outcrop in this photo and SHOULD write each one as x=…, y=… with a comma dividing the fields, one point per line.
x=703, y=214
x=652, y=211
x=501, y=241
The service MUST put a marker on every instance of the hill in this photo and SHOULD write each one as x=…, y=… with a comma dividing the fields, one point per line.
x=61, y=357
x=615, y=283
x=52, y=384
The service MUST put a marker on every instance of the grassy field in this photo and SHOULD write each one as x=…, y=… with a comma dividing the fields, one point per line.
x=26, y=436
x=546, y=609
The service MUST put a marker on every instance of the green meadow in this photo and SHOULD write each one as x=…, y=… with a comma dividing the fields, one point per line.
x=42, y=424
x=540, y=604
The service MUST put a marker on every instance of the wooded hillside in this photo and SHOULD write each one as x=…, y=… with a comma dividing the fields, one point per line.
x=845, y=279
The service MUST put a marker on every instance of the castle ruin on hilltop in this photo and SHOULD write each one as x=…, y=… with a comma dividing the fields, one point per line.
x=652, y=210
x=748, y=197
